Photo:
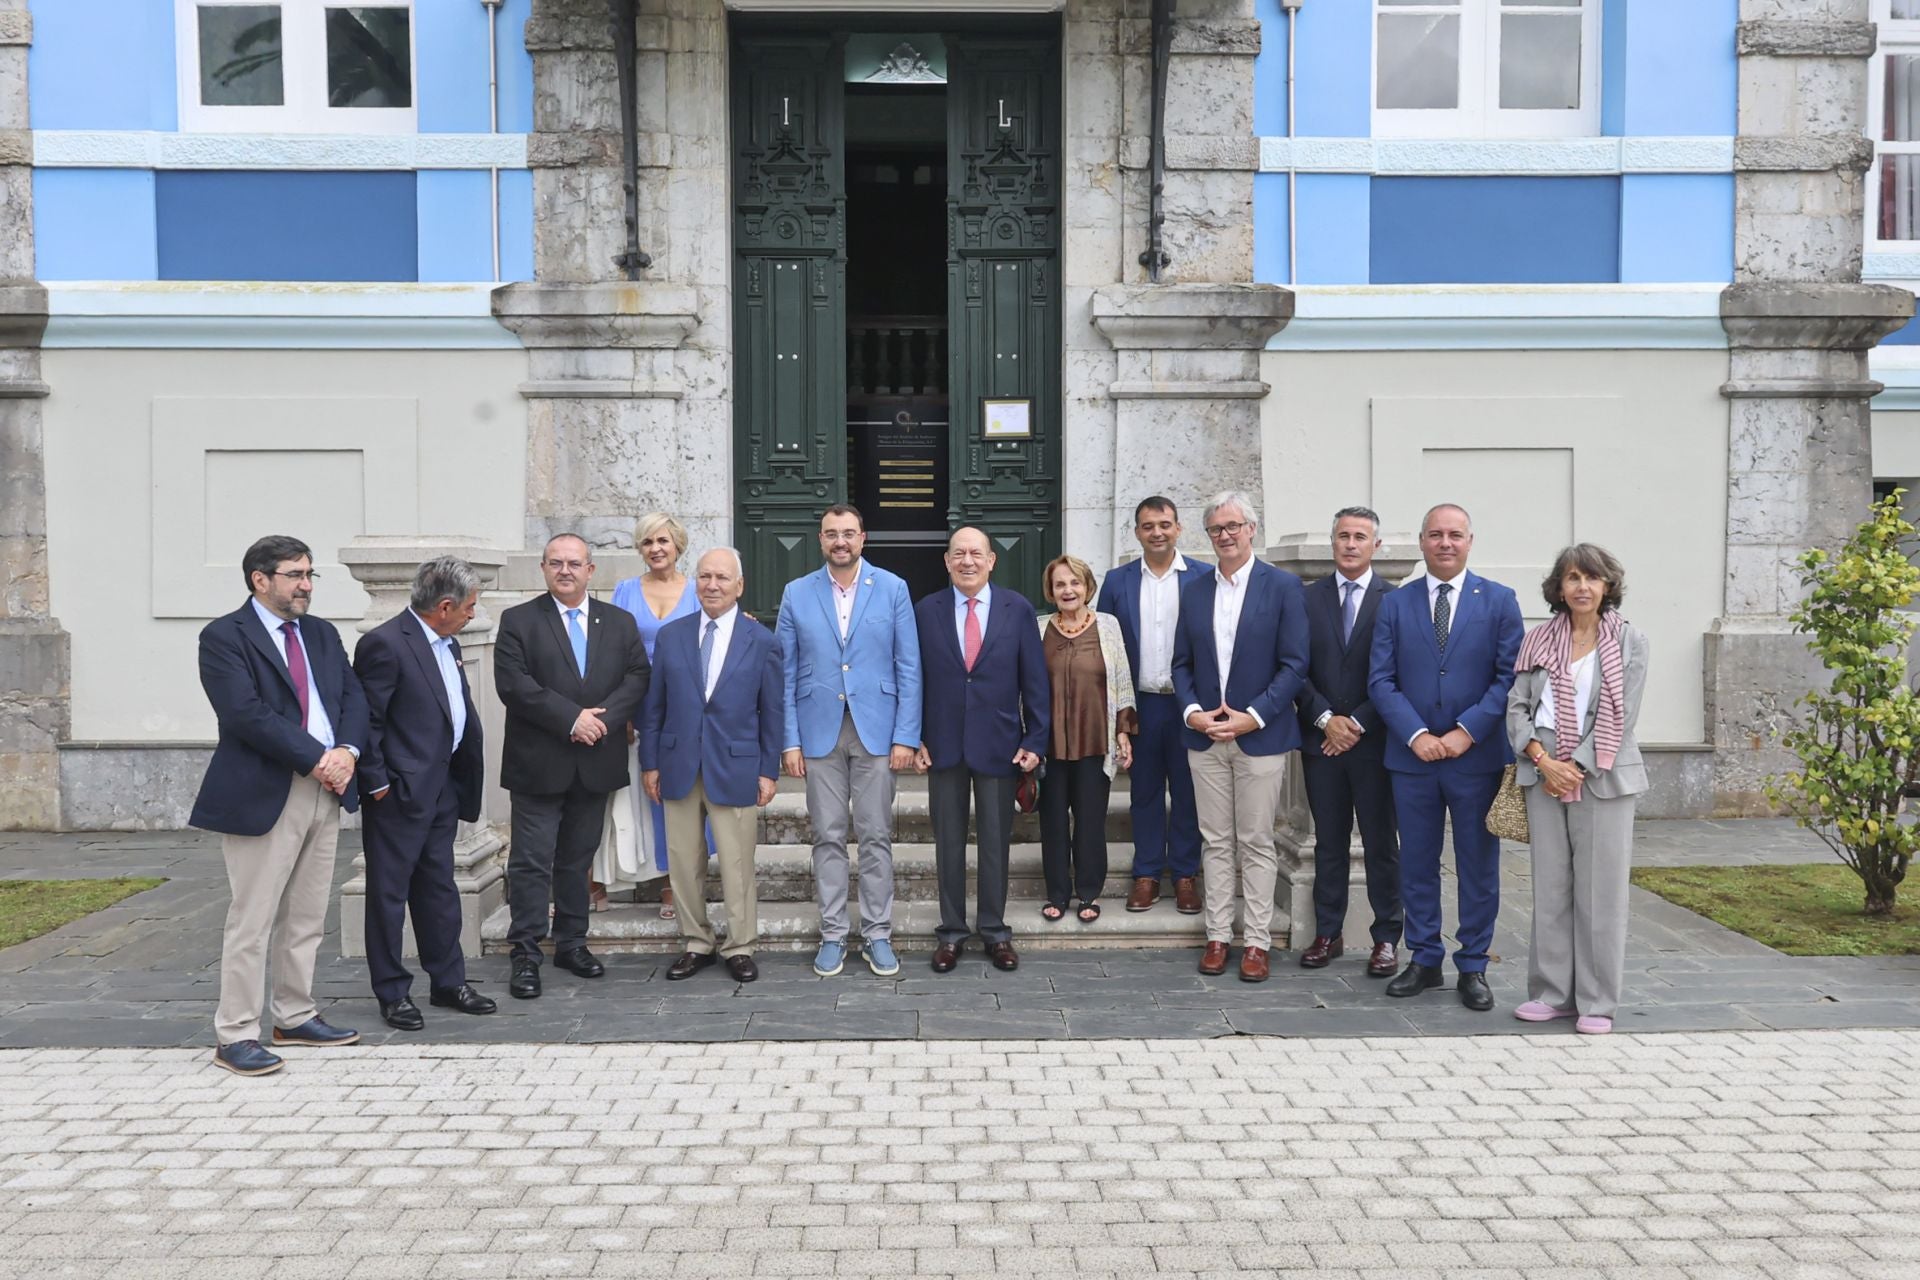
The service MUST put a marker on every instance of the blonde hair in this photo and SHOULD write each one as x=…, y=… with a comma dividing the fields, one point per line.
x=1081, y=570
x=653, y=522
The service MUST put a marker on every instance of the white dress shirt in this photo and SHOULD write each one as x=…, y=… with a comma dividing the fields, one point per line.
x=1159, y=618
x=449, y=665
x=1360, y=585
x=843, y=596
x=318, y=724
x=1229, y=596
x=1582, y=672
x=721, y=639
x=960, y=614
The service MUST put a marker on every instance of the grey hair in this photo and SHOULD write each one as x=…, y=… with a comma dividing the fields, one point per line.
x=447, y=578
x=1358, y=513
x=1231, y=498
x=1445, y=506
x=739, y=565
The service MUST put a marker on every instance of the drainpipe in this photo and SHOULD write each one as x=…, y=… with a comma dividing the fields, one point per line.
x=1292, y=8
x=493, y=116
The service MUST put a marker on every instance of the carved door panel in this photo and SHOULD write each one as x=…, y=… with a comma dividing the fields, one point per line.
x=789, y=305
x=1003, y=295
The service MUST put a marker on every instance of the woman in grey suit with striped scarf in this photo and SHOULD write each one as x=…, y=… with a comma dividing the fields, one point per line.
x=1584, y=667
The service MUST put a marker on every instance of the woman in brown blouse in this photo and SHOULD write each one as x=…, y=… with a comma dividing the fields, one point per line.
x=1093, y=724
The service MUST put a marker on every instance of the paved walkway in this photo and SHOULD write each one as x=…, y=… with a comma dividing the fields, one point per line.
x=1717, y=1156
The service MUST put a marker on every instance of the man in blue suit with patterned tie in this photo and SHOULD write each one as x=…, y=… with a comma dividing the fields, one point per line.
x=1443, y=653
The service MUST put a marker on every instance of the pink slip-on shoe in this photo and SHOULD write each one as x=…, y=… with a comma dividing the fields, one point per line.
x=1540, y=1011
x=1592, y=1024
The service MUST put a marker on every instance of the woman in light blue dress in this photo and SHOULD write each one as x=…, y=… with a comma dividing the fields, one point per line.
x=634, y=846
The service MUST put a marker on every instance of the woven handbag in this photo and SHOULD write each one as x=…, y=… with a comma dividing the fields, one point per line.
x=1507, y=817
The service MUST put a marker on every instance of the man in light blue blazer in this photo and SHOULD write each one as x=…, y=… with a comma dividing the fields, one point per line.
x=1444, y=645
x=1144, y=595
x=852, y=717
x=709, y=749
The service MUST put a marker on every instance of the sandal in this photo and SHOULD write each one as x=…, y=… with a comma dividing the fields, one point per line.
x=666, y=904
x=1053, y=912
x=1089, y=911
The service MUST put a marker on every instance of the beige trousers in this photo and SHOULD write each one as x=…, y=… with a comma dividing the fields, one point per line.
x=281, y=882
x=1236, y=797
x=733, y=841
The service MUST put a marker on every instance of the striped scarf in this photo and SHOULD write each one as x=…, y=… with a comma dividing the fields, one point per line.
x=1550, y=646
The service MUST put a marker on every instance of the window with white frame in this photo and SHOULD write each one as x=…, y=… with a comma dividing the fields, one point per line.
x=1486, y=68
x=295, y=66
x=1893, y=103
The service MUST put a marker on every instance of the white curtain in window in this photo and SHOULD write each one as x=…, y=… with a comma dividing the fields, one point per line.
x=1900, y=174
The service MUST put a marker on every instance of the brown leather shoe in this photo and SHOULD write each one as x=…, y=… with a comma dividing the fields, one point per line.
x=689, y=963
x=1213, y=962
x=1186, y=896
x=947, y=955
x=1253, y=965
x=742, y=968
x=1145, y=893
x=1003, y=956
x=1382, y=963
x=1323, y=951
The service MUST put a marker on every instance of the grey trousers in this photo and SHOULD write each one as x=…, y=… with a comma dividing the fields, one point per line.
x=948, y=793
x=1582, y=853
x=847, y=781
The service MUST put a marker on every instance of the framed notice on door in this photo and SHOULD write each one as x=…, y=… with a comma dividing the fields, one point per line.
x=1007, y=419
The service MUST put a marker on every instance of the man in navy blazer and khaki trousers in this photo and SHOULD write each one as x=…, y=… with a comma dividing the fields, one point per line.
x=292, y=723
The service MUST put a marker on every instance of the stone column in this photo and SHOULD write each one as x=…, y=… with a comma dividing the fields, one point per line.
x=34, y=658
x=1799, y=326
x=384, y=566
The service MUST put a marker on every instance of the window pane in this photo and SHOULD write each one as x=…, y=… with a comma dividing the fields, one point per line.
x=1419, y=62
x=1539, y=62
x=1905, y=9
x=1551, y=4
x=240, y=55
x=1900, y=198
x=1441, y=4
x=369, y=58
x=1902, y=98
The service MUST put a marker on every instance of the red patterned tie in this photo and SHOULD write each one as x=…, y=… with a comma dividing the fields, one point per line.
x=973, y=633
x=296, y=667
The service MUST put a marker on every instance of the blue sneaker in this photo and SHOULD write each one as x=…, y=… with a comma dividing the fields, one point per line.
x=314, y=1032
x=880, y=957
x=830, y=959
x=246, y=1058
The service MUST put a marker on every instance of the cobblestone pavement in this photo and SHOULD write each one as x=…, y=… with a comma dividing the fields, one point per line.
x=1730, y=1156
x=145, y=973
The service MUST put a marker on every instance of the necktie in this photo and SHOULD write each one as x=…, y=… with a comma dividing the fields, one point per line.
x=1347, y=610
x=296, y=667
x=1442, y=616
x=972, y=646
x=579, y=638
x=706, y=655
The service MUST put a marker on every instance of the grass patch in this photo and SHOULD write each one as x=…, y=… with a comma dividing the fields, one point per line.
x=1801, y=910
x=29, y=908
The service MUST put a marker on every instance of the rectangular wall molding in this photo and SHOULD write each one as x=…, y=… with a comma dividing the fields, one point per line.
x=143, y=149
x=1495, y=156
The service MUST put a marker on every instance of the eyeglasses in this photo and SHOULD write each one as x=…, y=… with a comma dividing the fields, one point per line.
x=575, y=565
x=837, y=536
x=298, y=575
x=1219, y=531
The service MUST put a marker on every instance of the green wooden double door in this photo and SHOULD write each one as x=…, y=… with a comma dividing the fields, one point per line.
x=793, y=361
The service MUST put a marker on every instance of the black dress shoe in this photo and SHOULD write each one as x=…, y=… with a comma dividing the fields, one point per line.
x=463, y=997
x=580, y=962
x=525, y=984
x=1474, y=992
x=402, y=1014
x=689, y=963
x=1414, y=979
x=742, y=968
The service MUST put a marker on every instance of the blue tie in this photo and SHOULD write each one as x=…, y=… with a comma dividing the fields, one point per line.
x=1348, y=614
x=579, y=638
x=706, y=654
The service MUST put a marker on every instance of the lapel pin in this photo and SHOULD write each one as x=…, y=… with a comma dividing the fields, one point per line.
x=867, y=582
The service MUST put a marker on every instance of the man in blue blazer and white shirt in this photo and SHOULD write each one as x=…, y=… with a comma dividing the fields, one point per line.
x=1443, y=654
x=709, y=755
x=852, y=719
x=986, y=710
x=292, y=723
x=1144, y=595
x=1245, y=621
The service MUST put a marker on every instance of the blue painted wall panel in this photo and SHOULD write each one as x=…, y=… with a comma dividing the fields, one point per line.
x=456, y=225
x=1495, y=230
x=1270, y=71
x=1677, y=70
x=1906, y=335
x=1676, y=228
x=516, y=224
x=266, y=225
x=1333, y=69
x=1270, y=228
x=1332, y=242
x=102, y=64
x=516, y=69
x=450, y=67
x=94, y=224
x=1613, y=67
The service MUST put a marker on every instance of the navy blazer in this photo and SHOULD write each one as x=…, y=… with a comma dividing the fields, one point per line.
x=1414, y=687
x=1120, y=596
x=1269, y=658
x=410, y=724
x=730, y=742
x=262, y=746
x=981, y=718
x=1337, y=667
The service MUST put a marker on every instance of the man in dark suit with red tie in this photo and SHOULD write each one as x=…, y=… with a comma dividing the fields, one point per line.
x=423, y=771
x=292, y=724
x=1343, y=751
x=985, y=714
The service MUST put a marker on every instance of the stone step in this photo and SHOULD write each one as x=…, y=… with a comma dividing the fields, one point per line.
x=785, y=820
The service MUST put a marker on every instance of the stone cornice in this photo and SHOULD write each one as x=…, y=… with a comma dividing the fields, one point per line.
x=1798, y=317
x=16, y=146
x=1805, y=38
x=610, y=314
x=1191, y=317
x=23, y=314
x=581, y=33
x=1804, y=153
x=16, y=27
x=594, y=149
